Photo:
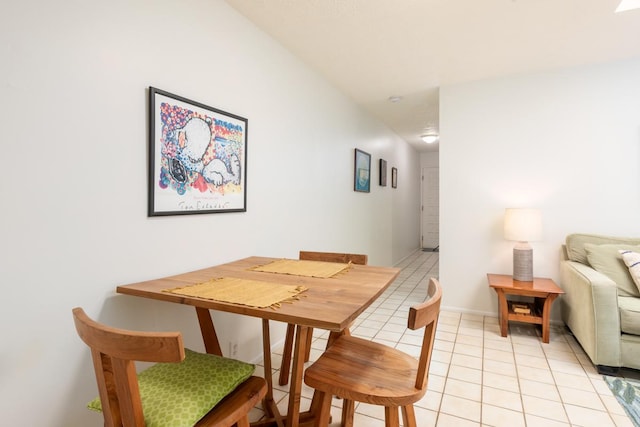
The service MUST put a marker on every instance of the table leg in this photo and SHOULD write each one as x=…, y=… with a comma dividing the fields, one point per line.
x=503, y=312
x=295, y=388
x=546, y=313
x=209, y=336
x=212, y=346
x=269, y=404
x=333, y=336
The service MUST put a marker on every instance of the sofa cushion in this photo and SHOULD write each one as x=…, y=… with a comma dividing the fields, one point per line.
x=629, y=315
x=632, y=261
x=607, y=260
x=577, y=252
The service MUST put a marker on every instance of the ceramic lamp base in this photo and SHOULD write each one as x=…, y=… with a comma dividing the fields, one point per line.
x=523, y=263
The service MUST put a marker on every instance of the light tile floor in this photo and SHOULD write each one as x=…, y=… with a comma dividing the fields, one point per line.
x=477, y=377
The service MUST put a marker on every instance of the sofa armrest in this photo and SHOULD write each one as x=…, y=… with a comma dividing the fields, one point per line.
x=590, y=310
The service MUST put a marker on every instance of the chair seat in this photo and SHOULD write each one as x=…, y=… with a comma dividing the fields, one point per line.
x=360, y=370
x=366, y=371
x=180, y=394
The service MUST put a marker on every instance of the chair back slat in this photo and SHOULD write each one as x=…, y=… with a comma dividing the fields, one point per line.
x=126, y=344
x=428, y=311
x=106, y=389
x=128, y=392
x=426, y=315
x=344, y=258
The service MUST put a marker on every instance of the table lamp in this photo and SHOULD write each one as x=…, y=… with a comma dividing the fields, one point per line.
x=522, y=226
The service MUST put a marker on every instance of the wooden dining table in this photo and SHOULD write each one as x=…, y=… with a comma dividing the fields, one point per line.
x=331, y=303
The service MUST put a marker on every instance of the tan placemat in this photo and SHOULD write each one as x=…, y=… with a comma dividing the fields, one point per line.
x=252, y=293
x=298, y=267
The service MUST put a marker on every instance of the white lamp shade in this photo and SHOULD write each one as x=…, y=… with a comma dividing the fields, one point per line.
x=522, y=225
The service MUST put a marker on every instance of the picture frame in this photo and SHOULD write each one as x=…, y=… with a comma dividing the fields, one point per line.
x=383, y=173
x=197, y=157
x=362, y=171
x=394, y=177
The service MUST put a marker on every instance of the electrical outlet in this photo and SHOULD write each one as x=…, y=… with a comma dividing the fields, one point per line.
x=233, y=349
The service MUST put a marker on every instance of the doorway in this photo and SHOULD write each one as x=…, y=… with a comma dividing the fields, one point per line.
x=430, y=221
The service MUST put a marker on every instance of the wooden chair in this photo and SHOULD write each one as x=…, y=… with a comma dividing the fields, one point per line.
x=285, y=366
x=356, y=369
x=114, y=352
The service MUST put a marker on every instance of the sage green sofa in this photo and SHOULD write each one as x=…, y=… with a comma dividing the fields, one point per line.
x=601, y=305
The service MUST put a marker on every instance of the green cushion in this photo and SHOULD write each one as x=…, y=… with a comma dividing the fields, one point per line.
x=179, y=394
x=575, y=244
x=607, y=260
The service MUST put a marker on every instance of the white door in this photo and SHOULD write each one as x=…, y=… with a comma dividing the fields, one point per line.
x=430, y=208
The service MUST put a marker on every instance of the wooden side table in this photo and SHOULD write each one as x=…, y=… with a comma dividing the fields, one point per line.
x=543, y=291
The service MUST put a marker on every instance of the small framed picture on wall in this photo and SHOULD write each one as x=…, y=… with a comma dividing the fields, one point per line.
x=383, y=173
x=394, y=177
x=362, y=171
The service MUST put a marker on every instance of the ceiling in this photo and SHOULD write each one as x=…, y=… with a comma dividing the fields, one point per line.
x=372, y=50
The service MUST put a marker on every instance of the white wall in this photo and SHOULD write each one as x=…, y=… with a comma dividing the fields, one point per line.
x=567, y=142
x=74, y=85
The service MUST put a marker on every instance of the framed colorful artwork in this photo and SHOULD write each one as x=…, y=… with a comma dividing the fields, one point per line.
x=383, y=173
x=362, y=172
x=197, y=157
x=394, y=177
